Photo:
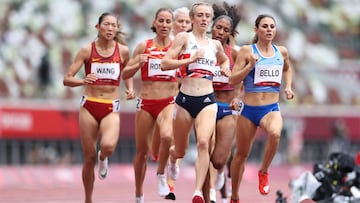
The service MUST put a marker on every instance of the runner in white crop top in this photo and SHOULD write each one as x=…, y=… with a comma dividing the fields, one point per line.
x=195, y=103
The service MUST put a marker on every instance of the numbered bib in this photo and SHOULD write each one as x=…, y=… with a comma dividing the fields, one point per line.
x=203, y=64
x=116, y=105
x=268, y=75
x=154, y=69
x=106, y=70
x=218, y=77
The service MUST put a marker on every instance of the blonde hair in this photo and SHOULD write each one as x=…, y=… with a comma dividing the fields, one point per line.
x=181, y=10
x=195, y=5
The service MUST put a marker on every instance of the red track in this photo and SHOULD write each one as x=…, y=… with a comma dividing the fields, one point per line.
x=55, y=184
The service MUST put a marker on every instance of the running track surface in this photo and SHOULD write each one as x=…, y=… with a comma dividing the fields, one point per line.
x=55, y=184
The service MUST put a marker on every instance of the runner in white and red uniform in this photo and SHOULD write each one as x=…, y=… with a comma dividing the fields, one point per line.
x=196, y=55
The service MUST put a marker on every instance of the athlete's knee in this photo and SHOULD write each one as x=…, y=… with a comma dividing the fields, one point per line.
x=166, y=139
x=179, y=154
x=202, y=144
x=141, y=155
x=107, y=149
x=218, y=163
x=241, y=156
x=274, y=134
x=90, y=160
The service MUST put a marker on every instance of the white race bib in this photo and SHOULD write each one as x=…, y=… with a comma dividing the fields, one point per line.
x=218, y=77
x=154, y=69
x=106, y=70
x=268, y=75
x=203, y=64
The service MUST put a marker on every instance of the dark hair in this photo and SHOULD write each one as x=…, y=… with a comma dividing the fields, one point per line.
x=157, y=14
x=257, y=23
x=228, y=12
x=120, y=36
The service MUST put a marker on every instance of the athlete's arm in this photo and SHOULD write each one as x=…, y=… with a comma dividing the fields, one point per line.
x=170, y=60
x=245, y=62
x=136, y=61
x=81, y=57
x=287, y=75
x=239, y=94
x=125, y=57
x=223, y=59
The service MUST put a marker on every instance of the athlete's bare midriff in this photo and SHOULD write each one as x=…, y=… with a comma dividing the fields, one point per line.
x=196, y=86
x=225, y=96
x=260, y=98
x=158, y=89
x=102, y=91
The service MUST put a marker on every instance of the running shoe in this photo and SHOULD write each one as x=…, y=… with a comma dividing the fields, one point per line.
x=219, y=180
x=264, y=187
x=155, y=158
x=170, y=196
x=173, y=170
x=163, y=188
x=198, y=199
x=212, y=195
x=139, y=199
x=229, y=187
x=103, y=167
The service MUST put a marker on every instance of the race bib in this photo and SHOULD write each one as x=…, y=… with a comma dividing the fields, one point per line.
x=203, y=64
x=268, y=75
x=138, y=103
x=154, y=69
x=106, y=70
x=218, y=77
x=116, y=105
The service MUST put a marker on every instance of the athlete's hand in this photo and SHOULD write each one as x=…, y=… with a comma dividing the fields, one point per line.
x=225, y=72
x=130, y=94
x=198, y=54
x=289, y=94
x=143, y=58
x=252, y=61
x=234, y=104
x=90, y=78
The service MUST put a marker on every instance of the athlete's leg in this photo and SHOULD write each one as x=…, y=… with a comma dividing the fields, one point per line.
x=109, y=130
x=225, y=134
x=182, y=123
x=245, y=133
x=204, y=128
x=143, y=128
x=164, y=122
x=88, y=137
x=271, y=123
x=155, y=144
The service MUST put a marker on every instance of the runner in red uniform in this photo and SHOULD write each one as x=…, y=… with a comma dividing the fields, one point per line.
x=155, y=101
x=104, y=60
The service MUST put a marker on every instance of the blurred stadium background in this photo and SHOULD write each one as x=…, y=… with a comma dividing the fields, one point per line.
x=39, y=38
x=38, y=115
